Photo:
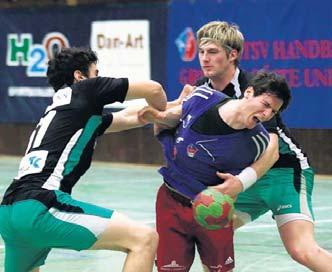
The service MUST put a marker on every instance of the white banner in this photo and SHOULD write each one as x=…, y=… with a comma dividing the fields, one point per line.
x=123, y=48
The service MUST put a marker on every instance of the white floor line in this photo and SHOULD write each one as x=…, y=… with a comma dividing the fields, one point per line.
x=323, y=221
x=322, y=208
x=266, y=226
x=254, y=226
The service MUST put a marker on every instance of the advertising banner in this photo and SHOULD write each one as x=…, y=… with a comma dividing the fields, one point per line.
x=290, y=37
x=124, y=48
x=124, y=37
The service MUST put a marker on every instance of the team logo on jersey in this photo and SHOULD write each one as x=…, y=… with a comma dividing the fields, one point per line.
x=186, y=44
x=34, y=161
x=191, y=150
x=179, y=140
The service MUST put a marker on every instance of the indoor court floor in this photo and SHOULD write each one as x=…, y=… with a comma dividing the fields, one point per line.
x=131, y=189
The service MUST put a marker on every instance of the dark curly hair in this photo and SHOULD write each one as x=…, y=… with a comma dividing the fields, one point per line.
x=61, y=68
x=272, y=83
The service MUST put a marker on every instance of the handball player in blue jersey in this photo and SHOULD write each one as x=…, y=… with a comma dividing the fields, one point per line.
x=37, y=212
x=285, y=178
x=216, y=134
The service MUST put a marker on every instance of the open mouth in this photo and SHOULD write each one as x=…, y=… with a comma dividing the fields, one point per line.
x=256, y=119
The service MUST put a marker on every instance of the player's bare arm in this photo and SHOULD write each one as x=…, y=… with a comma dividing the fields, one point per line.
x=140, y=115
x=126, y=119
x=152, y=91
x=168, y=118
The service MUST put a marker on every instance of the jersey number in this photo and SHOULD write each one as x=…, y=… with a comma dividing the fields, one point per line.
x=40, y=130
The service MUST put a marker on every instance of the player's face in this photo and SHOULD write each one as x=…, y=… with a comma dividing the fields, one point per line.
x=214, y=61
x=261, y=108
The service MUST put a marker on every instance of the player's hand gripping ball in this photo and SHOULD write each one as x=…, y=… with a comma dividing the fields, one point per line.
x=212, y=209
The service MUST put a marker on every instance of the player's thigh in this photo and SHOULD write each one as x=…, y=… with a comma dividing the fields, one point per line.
x=292, y=198
x=21, y=258
x=123, y=233
x=249, y=205
x=75, y=225
x=20, y=255
x=216, y=248
x=176, y=248
x=293, y=238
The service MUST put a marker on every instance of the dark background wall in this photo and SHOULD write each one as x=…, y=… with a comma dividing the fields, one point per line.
x=43, y=3
x=139, y=145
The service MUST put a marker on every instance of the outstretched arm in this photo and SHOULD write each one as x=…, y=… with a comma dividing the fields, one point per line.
x=140, y=115
x=168, y=118
x=154, y=95
x=152, y=91
x=126, y=119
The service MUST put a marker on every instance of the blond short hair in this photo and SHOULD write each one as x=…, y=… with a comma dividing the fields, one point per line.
x=223, y=34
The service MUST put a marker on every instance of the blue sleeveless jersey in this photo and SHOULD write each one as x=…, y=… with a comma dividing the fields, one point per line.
x=192, y=159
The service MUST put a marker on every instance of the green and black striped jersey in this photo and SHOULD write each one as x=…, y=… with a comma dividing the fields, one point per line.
x=291, y=154
x=61, y=146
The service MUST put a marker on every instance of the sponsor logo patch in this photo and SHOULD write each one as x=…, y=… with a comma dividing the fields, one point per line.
x=32, y=163
x=173, y=266
x=191, y=150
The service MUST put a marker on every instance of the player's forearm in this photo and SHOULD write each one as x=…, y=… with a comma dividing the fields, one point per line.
x=168, y=118
x=157, y=98
x=172, y=116
x=151, y=91
x=126, y=119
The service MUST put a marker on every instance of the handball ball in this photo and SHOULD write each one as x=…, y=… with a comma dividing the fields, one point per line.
x=212, y=209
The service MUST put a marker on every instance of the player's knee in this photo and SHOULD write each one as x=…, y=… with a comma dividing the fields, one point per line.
x=303, y=255
x=147, y=239
x=151, y=239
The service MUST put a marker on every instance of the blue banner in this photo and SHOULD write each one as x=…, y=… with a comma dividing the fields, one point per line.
x=29, y=37
x=291, y=37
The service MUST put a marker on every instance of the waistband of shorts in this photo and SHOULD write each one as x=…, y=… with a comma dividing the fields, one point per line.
x=177, y=196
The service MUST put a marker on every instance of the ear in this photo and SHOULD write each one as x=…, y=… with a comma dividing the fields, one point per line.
x=78, y=76
x=249, y=92
x=233, y=55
